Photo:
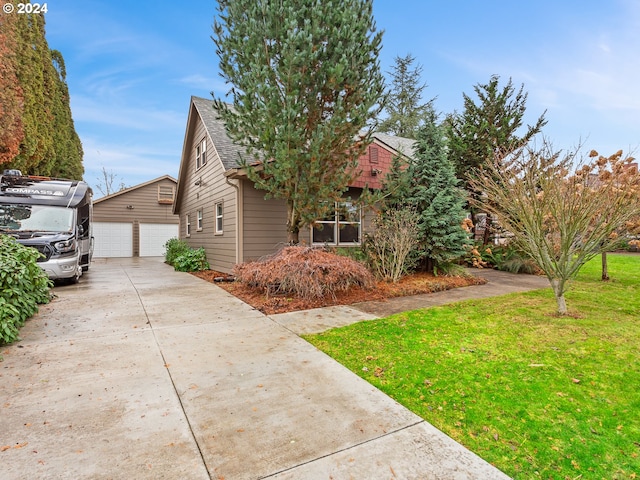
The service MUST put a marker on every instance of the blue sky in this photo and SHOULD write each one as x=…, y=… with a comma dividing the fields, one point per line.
x=132, y=67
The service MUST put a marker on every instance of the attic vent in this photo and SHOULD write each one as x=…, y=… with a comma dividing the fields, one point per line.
x=373, y=154
x=166, y=194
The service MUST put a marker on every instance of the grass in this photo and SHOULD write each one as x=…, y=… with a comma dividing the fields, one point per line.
x=536, y=395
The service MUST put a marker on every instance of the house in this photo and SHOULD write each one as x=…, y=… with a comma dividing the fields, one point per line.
x=137, y=221
x=222, y=211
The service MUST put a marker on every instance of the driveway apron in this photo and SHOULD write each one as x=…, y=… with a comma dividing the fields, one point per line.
x=142, y=372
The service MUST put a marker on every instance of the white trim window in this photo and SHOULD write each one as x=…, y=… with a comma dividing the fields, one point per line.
x=341, y=227
x=199, y=220
x=201, y=154
x=187, y=223
x=219, y=211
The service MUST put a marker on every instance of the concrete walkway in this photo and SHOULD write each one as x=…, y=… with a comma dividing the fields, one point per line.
x=321, y=319
x=140, y=372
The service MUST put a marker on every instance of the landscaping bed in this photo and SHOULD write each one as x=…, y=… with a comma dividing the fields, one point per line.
x=413, y=284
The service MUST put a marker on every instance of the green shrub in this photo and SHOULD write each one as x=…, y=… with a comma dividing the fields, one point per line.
x=193, y=260
x=174, y=248
x=23, y=285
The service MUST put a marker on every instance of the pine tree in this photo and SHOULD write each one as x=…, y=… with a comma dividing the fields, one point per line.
x=486, y=129
x=489, y=127
x=404, y=110
x=306, y=84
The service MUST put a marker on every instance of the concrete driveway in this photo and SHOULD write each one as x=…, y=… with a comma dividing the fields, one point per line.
x=140, y=372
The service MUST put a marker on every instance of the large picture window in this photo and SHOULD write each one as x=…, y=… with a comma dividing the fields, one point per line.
x=342, y=226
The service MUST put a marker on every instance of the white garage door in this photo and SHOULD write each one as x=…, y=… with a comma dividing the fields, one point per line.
x=153, y=236
x=112, y=239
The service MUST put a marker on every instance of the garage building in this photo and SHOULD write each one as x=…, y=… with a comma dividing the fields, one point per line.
x=137, y=221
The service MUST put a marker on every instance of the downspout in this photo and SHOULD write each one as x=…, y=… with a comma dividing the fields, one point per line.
x=239, y=219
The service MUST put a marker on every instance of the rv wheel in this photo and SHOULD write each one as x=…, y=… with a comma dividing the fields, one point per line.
x=76, y=278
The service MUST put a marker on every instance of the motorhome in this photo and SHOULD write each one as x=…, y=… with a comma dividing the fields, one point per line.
x=53, y=216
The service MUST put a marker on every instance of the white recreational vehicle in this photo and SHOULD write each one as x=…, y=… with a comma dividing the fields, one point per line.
x=51, y=215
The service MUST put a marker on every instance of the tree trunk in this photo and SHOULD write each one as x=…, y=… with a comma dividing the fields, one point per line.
x=605, y=267
x=487, y=230
x=293, y=229
x=562, y=305
x=558, y=290
x=292, y=238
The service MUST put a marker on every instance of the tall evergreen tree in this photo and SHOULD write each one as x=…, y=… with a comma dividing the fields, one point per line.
x=437, y=197
x=67, y=144
x=49, y=143
x=33, y=59
x=488, y=127
x=404, y=110
x=11, y=132
x=428, y=185
x=306, y=86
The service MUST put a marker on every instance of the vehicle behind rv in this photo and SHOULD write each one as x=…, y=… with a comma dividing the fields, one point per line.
x=52, y=215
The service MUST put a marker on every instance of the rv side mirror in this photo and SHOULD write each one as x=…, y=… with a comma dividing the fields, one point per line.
x=80, y=230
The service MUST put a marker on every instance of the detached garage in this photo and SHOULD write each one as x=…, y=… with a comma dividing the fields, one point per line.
x=135, y=222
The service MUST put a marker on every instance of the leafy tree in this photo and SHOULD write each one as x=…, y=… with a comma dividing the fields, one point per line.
x=404, y=110
x=561, y=210
x=306, y=84
x=428, y=185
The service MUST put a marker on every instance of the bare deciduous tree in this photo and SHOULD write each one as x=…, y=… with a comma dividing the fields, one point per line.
x=562, y=209
x=106, y=183
x=394, y=237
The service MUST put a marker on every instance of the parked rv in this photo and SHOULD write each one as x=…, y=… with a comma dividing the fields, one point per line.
x=52, y=215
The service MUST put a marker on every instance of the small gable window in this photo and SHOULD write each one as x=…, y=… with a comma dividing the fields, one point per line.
x=166, y=194
x=201, y=154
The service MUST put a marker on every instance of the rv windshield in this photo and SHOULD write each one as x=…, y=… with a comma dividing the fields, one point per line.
x=35, y=218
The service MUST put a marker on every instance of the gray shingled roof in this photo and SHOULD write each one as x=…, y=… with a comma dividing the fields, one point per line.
x=399, y=144
x=230, y=152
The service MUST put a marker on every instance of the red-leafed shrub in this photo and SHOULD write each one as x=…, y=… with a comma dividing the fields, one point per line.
x=305, y=272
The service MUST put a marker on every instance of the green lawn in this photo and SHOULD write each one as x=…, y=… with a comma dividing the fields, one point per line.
x=537, y=395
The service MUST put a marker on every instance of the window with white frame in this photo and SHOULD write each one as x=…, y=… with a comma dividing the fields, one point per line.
x=219, y=218
x=201, y=154
x=187, y=223
x=199, y=220
x=341, y=226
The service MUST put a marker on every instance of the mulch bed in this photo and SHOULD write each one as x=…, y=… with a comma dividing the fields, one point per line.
x=414, y=284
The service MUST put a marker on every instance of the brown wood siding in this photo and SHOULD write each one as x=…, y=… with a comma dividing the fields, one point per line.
x=264, y=223
x=377, y=158
x=212, y=188
x=144, y=201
